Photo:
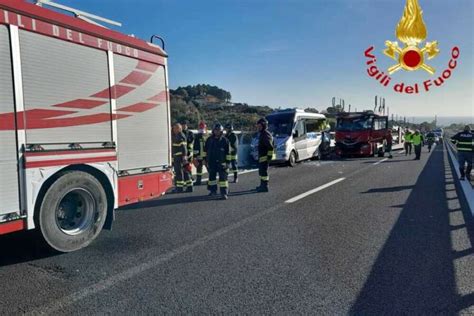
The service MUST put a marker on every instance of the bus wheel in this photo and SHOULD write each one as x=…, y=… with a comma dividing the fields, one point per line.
x=292, y=159
x=73, y=211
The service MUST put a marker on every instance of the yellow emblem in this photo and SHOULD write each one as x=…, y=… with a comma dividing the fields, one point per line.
x=411, y=30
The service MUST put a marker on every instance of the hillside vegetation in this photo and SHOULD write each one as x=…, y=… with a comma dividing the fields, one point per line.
x=213, y=104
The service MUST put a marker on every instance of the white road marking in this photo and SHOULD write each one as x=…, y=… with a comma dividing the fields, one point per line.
x=103, y=285
x=324, y=186
x=379, y=162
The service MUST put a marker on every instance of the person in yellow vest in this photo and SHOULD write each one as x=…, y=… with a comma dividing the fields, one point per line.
x=417, y=140
x=407, y=137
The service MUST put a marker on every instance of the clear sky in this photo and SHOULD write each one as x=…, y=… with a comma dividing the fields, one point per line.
x=300, y=52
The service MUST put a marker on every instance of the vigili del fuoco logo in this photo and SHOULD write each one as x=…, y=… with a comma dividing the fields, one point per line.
x=412, y=56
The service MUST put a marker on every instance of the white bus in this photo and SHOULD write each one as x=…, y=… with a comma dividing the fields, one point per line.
x=298, y=135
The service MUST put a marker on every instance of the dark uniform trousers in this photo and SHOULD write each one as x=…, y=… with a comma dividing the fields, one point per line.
x=179, y=173
x=188, y=176
x=233, y=163
x=199, y=141
x=263, y=173
x=222, y=170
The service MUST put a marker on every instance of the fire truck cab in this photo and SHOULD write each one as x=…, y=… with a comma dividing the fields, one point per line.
x=360, y=134
x=84, y=123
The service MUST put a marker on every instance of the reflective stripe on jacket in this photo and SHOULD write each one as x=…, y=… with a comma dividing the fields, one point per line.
x=464, y=141
x=234, y=145
x=199, y=142
x=265, y=146
x=179, y=146
x=216, y=150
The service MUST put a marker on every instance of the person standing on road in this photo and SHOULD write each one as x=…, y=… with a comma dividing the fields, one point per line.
x=389, y=143
x=265, y=154
x=179, y=156
x=199, y=142
x=188, y=181
x=465, y=145
x=430, y=139
x=234, y=145
x=417, y=140
x=216, y=155
x=408, y=139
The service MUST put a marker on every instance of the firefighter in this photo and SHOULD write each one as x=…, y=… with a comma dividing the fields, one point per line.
x=265, y=153
x=188, y=177
x=465, y=145
x=234, y=145
x=417, y=140
x=430, y=139
x=199, y=142
x=407, y=138
x=389, y=143
x=179, y=156
x=217, y=158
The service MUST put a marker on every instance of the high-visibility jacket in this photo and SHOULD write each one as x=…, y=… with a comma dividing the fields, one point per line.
x=189, y=142
x=216, y=151
x=265, y=146
x=179, y=149
x=199, y=142
x=408, y=137
x=417, y=139
x=464, y=141
x=234, y=145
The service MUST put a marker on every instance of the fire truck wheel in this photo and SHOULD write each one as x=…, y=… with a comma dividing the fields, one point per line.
x=73, y=211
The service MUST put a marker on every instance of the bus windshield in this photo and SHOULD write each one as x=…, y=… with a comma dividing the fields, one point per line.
x=354, y=124
x=281, y=124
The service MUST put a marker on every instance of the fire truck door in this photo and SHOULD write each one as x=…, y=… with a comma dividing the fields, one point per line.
x=379, y=130
x=9, y=189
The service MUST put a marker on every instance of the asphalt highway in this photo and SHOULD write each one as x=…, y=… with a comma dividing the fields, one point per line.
x=365, y=236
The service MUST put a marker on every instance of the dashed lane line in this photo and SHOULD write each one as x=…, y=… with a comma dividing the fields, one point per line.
x=320, y=188
x=380, y=161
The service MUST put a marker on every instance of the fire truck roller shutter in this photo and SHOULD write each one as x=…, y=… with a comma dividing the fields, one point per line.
x=144, y=135
x=60, y=80
x=9, y=195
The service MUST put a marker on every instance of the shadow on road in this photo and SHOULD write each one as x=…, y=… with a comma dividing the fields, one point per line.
x=181, y=198
x=416, y=272
x=22, y=247
x=392, y=189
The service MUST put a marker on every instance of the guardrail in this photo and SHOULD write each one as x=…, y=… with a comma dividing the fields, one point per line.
x=466, y=186
x=454, y=150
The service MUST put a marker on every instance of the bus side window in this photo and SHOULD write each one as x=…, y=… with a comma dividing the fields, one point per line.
x=312, y=126
x=300, y=128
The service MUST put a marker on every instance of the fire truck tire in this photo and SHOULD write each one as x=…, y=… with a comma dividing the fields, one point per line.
x=73, y=211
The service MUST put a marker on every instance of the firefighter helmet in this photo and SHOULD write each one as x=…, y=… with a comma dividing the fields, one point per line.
x=229, y=126
x=263, y=121
x=218, y=127
x=202, y=125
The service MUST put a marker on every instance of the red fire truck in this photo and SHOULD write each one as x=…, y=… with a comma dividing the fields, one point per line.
x=84, y=122
x=360, y=133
